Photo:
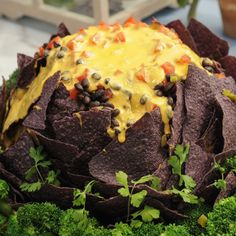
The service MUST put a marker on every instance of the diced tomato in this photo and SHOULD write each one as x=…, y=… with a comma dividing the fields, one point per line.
x=118, y=72
x=103, y=26
x=84, y=75
x=51, y=43
x=168, y=68
x=185, y=59
x=95, y=38
x=100, y=86
x=129, y=21
x=71, y=45
x=82, y=31
x=116, y=27
x=154, y=106
x=41, y=51
x=142, y=75
x=85, y=54
x=73, y=94
x=220, y=75
x=120, y=37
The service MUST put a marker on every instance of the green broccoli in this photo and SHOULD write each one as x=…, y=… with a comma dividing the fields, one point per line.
x=122, y=229
x=149, y=229
x=35, y=219
x=4, y=189
x=195, y=213
x=75, y=222
x=221, y=220
x=175, y=230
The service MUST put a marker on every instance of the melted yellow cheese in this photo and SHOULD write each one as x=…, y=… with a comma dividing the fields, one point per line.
x=121, y=53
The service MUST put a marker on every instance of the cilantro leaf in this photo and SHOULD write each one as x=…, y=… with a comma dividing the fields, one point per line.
x=31, y=187
x=137, y=198
x=147, y=214
x=124, y=192
x=186, y=195
x=143, y=179
x=52, y=177
x=220, y=184
x=122, y=178
x=4, y=189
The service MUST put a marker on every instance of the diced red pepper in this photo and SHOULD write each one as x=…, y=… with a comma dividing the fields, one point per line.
x=84, y=75
x=130, y=20
x=41, y=51
x=120, y=37
x=185, y=59
x=103, y=26
x=73, y=94
x=220, y=75
x=116, y=27
x=95, y=38
x=71, y=45
x=118, y=72
x=168, y=68
x=154, y=106
x=51, y=43
x=142, y=75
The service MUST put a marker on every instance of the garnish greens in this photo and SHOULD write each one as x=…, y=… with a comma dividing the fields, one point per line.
x=176, y=161
x=148, y=213
x=229, y=94
x=4, y=189
x=40, y=162
x=228, y=165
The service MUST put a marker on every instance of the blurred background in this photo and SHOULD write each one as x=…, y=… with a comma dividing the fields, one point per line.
x=26, y=24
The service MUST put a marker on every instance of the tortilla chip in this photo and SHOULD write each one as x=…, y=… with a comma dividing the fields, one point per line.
x=212, y=140
x=229, y=65
x=26, y=70
x=199, y=92
x=198, y=163
x=88, y=131
x=221, y=157
x=61, y=105
x=229, y=121
x=3, y=101
x=62, y=31
x=183, y=34
x=178, y=118
x=62, y=151
x=208, y=44
x=138, y=156
x=37, y=116
x=230, y=187
x=16, y=159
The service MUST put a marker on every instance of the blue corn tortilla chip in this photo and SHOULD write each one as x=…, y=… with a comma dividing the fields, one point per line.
x=228, y=108
x=229, y=65
x=198, y=163
x=16, y=158
x=208, y=44
x=61, y=105
x=230, y=187
x=183, y=34
x=178, y=118
x=88, y=132
x=62, y=31
x=26, y=70
x=37, y=116
x=199, y=91
x=138, y=156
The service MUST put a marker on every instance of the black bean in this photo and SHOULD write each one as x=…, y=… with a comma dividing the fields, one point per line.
x=107, y=104
x=168, y=78
x=115, y=112
x=128, y=93
x=85, y=83
x=168, y=87
x=107, y=80
x=86, y=100
x=170, y=101
x=79, y=61
x=94, y=104
x=79, y=87
x=85, y=93
x=104, y=98
x=46, y=52
x=98, y=94
x=117, y=131
x=143, y=99
x=80, y=96
x=64, y=49
x=159, y=86
x=114, y=123
x=56, y=44
x=159, y=93
x=60, y=54
x=96, y=76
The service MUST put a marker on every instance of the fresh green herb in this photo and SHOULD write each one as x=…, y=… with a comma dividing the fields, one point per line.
x=12, y=81
x=229, y=94
x=4, y=189
x=39, y=157
x=80, y=196
x=136, y=199
x=186, y=195
x=177, y=161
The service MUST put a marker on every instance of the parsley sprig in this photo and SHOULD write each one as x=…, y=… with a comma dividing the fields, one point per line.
x=40, y=162
x=136, y=199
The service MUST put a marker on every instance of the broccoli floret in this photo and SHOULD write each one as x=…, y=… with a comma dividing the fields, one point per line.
x=175, y=230
x=195, y=214
x=149, y=229
x=221, y=220
x=122, y=229
x=42, y=218
x=4, y=189
x=75, y=222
